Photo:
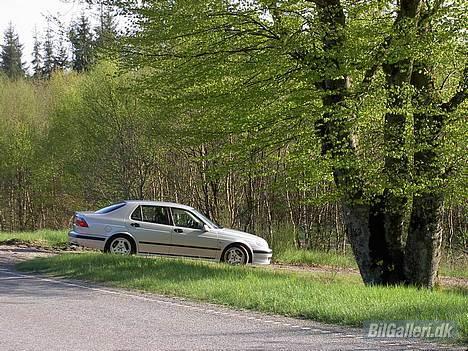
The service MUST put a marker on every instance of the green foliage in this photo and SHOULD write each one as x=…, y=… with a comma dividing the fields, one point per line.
x=25, y=111
x=23, y=116
x=113, y=140
x=106, y=32
x=249, y=74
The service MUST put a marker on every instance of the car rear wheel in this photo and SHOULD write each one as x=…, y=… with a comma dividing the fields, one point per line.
x=121, y=246
x=235, y=255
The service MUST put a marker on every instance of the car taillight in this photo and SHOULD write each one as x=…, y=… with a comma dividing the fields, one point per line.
x=80, y=221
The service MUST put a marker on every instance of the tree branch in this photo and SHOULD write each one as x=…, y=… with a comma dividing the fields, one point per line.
x=461, y=94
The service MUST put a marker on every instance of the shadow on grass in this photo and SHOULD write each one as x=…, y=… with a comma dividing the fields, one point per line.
x=114, y=268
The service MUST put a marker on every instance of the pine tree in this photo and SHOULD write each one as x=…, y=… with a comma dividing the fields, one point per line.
x=11, y=54
x=83, y=44
x=48, y=48
x=37, y=61
x=106, y=32
x=60, y=58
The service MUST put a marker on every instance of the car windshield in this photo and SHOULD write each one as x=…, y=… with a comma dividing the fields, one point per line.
x=207, y=220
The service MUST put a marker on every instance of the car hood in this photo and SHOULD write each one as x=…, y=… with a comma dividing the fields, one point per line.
x=237, y=234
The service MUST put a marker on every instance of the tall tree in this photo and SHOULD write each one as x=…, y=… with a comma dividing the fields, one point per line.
x=11, y=52
x=55, y=55
x=106, y=31
x=431, y=119
x=61, y=60
x=37, y=60
x=48, y=66
x=83, y=45
x=303, y=73
x=60, y=57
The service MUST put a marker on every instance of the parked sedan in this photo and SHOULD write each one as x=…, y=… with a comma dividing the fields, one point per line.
x=164, y=228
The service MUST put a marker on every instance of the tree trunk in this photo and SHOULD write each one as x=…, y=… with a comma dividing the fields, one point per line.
x=362, y=221
x=356, y=220
x=392, y=207
x=423, y=247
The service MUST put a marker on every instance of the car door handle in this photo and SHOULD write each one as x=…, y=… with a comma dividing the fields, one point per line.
x=135, y=225
x=178, y=230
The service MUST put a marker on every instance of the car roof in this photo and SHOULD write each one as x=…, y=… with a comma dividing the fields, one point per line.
x=158, y=203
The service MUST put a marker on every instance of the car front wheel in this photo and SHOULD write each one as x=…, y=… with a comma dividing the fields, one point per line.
x=235, y=255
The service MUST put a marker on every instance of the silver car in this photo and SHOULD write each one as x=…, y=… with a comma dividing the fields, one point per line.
x=164, y=228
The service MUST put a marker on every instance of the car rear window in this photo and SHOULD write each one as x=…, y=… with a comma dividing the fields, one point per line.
x=111, y=208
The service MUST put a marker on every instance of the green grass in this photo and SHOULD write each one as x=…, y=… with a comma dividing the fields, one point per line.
x=58, y=239
x=456, y=270
x=325, y=297
x=42, y=238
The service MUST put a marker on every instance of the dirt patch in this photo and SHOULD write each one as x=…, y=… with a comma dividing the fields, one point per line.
x=445, y=281
x=313, y=268
x=12, y=254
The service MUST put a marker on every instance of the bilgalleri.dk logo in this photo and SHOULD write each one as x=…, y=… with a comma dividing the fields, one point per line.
x=410, y=329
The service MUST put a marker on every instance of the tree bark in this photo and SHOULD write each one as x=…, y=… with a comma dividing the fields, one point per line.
x=356, y=220
x=423, y=247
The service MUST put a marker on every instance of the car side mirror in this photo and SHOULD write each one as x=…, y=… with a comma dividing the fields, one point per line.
x=205, y=228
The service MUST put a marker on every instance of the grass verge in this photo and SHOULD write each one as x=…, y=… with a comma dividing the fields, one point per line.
x=315, y=258
x=458, y=269
x=58, y=239
x=325, y=297
x=43, y=238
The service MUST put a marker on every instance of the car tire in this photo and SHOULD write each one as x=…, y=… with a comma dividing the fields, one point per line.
x=235, y=255
x=121, y=245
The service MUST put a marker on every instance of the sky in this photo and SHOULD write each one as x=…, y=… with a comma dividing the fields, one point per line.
x=26, y=15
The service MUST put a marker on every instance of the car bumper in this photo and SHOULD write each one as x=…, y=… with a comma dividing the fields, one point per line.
x=262, y=256
x=86, y=240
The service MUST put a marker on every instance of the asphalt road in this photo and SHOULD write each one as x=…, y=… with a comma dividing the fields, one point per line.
x=37, y=313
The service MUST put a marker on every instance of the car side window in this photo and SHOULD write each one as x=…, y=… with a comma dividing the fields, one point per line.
x=185, y=219
x=155, y=214
x=136, y=215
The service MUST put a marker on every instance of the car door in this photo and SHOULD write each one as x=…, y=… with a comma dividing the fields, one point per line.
x=152, y=228
x=190, y=239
